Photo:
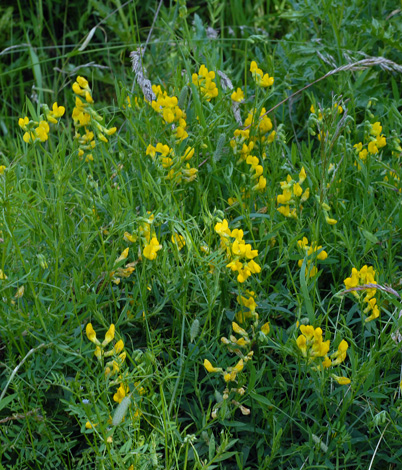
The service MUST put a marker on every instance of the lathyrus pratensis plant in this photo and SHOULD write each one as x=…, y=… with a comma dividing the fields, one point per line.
x=176, y=143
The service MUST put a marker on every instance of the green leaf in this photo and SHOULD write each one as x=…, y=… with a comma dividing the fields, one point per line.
x=5, y=401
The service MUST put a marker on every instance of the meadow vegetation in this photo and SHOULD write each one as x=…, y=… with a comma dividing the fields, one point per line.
x=200, y=235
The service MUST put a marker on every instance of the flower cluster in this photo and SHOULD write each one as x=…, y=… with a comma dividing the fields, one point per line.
x=152, y=245
x=179, y=168
x=205, y=81
x=113, y=366
x=237, y=250
x=87, y=121
x=312, y=347
x=178, y=240
x=244, y=341
x=316, y=119
x=376, y=141
x=365, y=276
x=241, y=346
x=264, y=125
x=261, y=79
x=167, y=107
x=121, y=271
x=311, y=260
x=244, y=143
x=248, y=303
x=292, y=194
x=39, y=130
x=124, y=390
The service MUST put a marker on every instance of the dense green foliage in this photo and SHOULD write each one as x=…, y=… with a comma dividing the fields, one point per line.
x=229, y=339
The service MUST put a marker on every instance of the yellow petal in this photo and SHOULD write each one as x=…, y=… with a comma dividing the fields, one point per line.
x=238, y=329
x=91, y=333
x=209, y=366
x=118, y=347
x=122, y=256
x=265, y=328
x=109, y=335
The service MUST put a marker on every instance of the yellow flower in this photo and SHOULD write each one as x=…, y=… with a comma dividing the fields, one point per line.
x=222, y=228
x=302, y=344
x=227, y=377
x=302, y=175
x=82, y=82
x=129, y=238
x=118, y=346
x=150, y=250
x=372, y=147
x=305, y=195
x=20, y=292
x=111, y=131
x=238, y=329
x=239, y=366
x=58, y=111
x=308, y=331
x=22, y=122
x=261, y=185
x=77, y=89
x=123, y=255
x=381, y=141
x=238, y=95
x=89, y=425
x=120, y=394
x=340, y=355
x=28, y=137
x=376, y=129
x=297, y=190
x=340, y=109
x=341, y=380
x=91, y=334
x=42, y=131
x=178, y=240
x=188, y=154
x=210, y=367
x=265, y=328
x=109, y=336
x=331, y=221
x=261, y=79
x=326, y=362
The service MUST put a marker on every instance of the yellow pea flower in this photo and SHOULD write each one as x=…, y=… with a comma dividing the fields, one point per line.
x=120, y=394
x=372, y=147
x=265, y=328
x=22, y=122
x=238, y=95
x=331, y=221
x=129, y=238
x=239, y=366
x=210, y=367
x=118, y=346
x=341, y=380
x=91, y=334
x=58, y=111
x=123, y=255
x=238, y=329
x=109, y=336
